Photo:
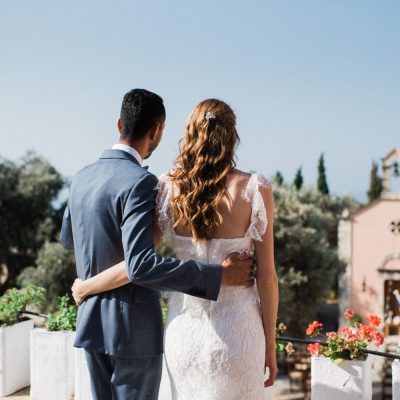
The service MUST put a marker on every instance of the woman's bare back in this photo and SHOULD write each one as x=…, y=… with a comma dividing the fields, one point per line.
x=235, y=210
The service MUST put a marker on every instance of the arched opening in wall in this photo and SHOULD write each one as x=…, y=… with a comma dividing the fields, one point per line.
x=392, y=307
x=389, y=293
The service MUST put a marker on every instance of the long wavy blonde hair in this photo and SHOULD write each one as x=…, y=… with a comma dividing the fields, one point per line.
x=206, y=157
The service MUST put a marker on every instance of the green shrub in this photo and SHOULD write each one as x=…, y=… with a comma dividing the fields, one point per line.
x=64, y=319
x=165, y=249
x=306, y=256
x=14, y=302
x=55, y=271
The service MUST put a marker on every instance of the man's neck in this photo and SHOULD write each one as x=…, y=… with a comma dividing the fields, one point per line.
x=129, y=149
x=135, y=145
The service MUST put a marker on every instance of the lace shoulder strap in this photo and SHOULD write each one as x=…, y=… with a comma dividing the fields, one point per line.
x=163, y=205
x=259, y=221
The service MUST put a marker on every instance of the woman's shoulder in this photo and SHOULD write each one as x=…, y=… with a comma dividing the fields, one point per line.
x=165, y=181
x=165, y=177
x=241, y=174
x=255, y=190
x=250, y=180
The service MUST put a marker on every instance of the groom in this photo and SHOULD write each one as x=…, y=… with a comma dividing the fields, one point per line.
x=109, y=218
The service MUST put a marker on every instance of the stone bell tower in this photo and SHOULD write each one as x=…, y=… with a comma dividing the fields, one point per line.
x=391, y=174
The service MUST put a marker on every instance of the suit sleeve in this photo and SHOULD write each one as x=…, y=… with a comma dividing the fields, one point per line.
x=147, y=268
x=66, y=236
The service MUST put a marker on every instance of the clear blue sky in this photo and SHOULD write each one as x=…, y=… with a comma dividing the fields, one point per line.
x=304, y=77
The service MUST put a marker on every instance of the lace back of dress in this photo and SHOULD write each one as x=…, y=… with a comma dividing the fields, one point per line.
x=259, y=221
x=163, y=206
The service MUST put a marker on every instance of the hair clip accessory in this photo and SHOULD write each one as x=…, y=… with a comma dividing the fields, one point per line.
x=209, y=115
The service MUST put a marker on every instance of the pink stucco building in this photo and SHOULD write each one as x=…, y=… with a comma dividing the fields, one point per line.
x=369, y=242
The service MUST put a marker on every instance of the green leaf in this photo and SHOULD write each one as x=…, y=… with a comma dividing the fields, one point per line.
x=280, y=346
x=338, y=361
x=64, y=319
x=15, y=301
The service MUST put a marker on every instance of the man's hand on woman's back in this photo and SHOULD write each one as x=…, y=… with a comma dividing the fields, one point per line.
x=237, y=270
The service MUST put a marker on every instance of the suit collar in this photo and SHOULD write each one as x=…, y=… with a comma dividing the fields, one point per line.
x=129, y=149
x=118, y=154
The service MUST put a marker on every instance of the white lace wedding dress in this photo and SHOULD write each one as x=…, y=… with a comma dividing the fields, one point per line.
x=215, y=350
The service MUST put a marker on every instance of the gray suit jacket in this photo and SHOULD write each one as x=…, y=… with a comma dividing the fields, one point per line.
x=109, y=218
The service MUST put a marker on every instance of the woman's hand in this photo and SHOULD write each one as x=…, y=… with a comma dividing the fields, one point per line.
x=270, y=362
x=78, y=291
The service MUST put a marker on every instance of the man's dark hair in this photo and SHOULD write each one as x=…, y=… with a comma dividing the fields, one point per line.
x=140, y=110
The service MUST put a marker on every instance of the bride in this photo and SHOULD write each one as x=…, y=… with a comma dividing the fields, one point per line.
x=207, y=209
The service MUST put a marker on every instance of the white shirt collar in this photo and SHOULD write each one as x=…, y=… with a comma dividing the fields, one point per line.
x=133, y=152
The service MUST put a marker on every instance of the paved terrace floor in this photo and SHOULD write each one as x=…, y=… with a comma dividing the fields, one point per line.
x=281, y=392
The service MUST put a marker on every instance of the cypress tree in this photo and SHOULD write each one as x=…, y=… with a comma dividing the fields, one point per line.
x=375, y=183
x=278, y=178
x=298, y=179
x=322, y=184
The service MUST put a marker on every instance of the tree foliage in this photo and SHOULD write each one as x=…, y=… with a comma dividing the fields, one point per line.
x=55, y=271
x=27, y=215
x=375, y=183
x=278, y=178
x=322, y=183
x=307, y=262
x=298, y=179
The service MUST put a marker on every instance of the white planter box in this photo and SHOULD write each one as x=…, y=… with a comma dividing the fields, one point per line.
x=14, y=357
x=83, y=390
x=52, y=365
x=350, y=380
x=396, y=380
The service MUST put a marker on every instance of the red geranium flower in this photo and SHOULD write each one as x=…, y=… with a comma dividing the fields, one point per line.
x=349, y=342
x=349, y=314
x=366, y=332
x=331, y=335
x=378, y=338
x=345, y=332
x=313, y=328
x=374, y=320
x=314, y=349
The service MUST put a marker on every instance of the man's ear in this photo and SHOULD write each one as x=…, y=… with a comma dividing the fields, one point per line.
x=119, y=124
x=154, y=130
